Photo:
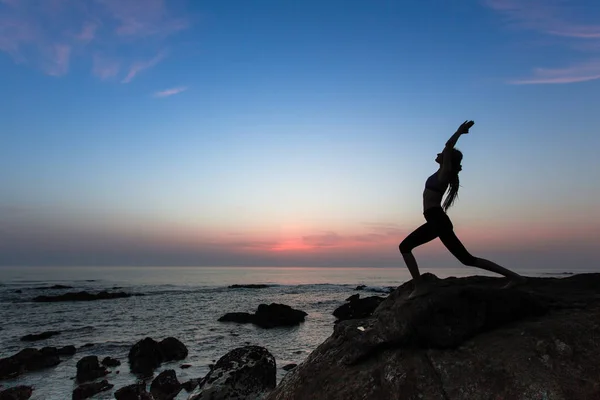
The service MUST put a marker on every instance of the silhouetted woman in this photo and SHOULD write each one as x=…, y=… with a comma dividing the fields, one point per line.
x=438, y=224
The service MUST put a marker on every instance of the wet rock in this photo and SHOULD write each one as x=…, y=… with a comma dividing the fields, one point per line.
x=110, y=362
x=185, y=366
x=289, y=367
x=353, y=297
x=249, y=286
x=148, y=354
x=268, y=316
x=53, y=287
x=190, y=385
x=360, y=287
x=16, y=393
x=81, y=296
x=87, y=390
x=39, y=336
x=67, y=350
x=88, y=369
x=165, y=386
x=357, y=307
x=133, y=392
x=244, y=373
x=467, y=339
x=29, y=359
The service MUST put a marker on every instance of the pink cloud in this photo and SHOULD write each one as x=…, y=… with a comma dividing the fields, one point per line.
x=47, y=34
x=551, y=17
x=104, y=68
x=139, y=66
x=170, y=92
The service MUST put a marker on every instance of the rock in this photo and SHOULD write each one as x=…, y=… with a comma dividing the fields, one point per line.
x=16, y=393
x=53, y=287
x=243, y=373
x=110, y=362
x=148, y=354
x=172, y=349
x=87, y=345
x=28, y=360
x=357, y=307
x=19, y=291
x=89, y=389
x=81, y=296
x=88, y=369
x=268, y=316
x=133, y=392
x=249, y=286
x=145, y=356
x=185, y=366
x=360, y=287
x=190, y=385
x=39, y=336
x=165, y=386
x=67, y=351
x=353, y=297
x=289, y=367
x=466, y=339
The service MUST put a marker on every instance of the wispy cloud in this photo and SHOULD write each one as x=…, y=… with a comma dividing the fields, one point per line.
x=554, y=18
x=105, y=68
x=170, y=92
x=139, y=66
x=46, y=35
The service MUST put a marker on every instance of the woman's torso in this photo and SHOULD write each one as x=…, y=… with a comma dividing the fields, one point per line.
x=433, y=192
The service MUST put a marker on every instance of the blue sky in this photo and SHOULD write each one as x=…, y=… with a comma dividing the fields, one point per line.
x=295, y=133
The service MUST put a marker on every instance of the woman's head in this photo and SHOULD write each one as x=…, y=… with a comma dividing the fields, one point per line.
x=457, y=157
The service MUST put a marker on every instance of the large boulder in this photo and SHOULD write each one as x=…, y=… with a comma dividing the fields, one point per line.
x=268, y=316
x=165, y=386
x=28, y=360
x=88, y=369
x=246, y=373
x=148, y=354
x=467, y=339
x=357, y=307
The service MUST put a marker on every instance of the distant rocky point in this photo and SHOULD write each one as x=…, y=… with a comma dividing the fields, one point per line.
x=83, y=296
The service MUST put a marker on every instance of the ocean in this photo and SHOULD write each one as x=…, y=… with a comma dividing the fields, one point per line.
x=182, y=302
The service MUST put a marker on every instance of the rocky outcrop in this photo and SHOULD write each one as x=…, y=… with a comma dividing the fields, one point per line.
x=110, y=362
x=148, y=354
x=28, y=360
x=16, y=393
x=87, y=390
x=39, y=336
x=82, y=296
x=88, y=369
x=244, y=373
x=466, y=339
x=249, y=286
x=357, y=307
x=268, y=316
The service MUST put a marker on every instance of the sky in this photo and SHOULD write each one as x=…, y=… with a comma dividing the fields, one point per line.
x=280, y=133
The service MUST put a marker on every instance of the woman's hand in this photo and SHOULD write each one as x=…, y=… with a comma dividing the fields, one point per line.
x=464, y=128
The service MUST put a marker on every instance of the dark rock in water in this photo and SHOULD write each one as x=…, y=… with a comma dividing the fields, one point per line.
x=81, y=296
x=145, y=356
x=148, y=354
x=249, y=286
x=110, y=362
x=172, y=349
x=243, y=373
x=360, y=287
x=190, y=385
x=67, y=350
x=18, y=291
x=28, y=360
x=467, y=339
x=39, y=336
x=268, y=316
x=165, y=386
x=289, y=367
x=53, y=287
x=133, y=392
x=185, y=366
x=357, y=307
x=353, y=297
x=16, y=393
x=87, y=390
x=88, y=369
x=87, y=345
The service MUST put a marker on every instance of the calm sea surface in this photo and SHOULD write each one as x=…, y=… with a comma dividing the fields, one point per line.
x=183, y=302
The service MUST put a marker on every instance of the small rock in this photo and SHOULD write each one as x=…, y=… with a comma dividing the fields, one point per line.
x=67, y=350
x=185, y=366
x=89, y=389
x=87, y=345
x=39, y=336
x=89, y=369
x=111, y=362
x=190, y=385
x=165, y=386
x=360, y=287
x=289, y=366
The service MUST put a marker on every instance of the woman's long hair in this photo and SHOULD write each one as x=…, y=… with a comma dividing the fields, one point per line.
x=454, y=183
